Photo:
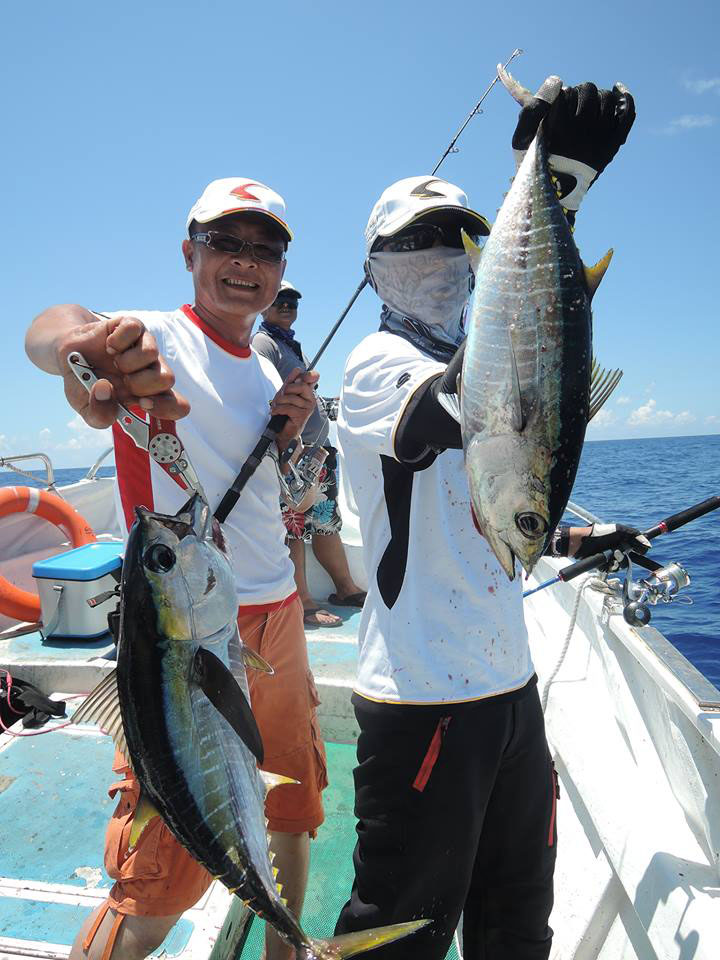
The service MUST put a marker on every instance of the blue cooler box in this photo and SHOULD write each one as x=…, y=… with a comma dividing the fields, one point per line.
x=67, y=581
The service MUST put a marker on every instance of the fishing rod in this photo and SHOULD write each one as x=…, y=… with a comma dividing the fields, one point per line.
x=600, y=560
x=278, y=421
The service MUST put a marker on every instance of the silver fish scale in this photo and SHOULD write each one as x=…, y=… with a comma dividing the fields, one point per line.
x=526, y=372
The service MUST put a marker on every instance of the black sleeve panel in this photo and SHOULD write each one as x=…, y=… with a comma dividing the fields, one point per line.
x=425, y=428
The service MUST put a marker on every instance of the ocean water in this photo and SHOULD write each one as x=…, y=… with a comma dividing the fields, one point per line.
x=640, y=482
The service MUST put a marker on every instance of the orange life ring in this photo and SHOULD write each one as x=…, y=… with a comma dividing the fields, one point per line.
x=22, y=604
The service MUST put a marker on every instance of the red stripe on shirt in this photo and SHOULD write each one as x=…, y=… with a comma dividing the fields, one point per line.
x=266, y=607
x=133, y=473
x=213, y=335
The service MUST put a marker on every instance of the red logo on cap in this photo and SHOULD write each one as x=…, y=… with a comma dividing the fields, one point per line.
x=242, y=192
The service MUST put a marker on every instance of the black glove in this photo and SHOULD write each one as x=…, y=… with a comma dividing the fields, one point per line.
x=612, y=536
x=584, y=129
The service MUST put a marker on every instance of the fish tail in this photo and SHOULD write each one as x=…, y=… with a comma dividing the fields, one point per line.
x=348, y=944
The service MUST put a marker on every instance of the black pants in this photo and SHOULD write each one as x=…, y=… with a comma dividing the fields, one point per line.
x=456, y=813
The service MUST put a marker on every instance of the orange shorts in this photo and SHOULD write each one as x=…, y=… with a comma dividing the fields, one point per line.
x=159, y=877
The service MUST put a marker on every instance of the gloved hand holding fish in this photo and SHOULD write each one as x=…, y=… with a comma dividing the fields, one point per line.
x=529, y=384
x=178, y=708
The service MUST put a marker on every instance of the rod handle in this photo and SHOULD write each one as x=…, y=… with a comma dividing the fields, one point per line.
x=684, y=516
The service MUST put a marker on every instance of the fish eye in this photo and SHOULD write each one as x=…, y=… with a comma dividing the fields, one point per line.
x=159, y=558
x=530, y=525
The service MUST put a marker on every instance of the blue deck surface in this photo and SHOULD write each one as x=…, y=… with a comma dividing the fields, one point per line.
x=54, y=808
x=58, y=805
x=32, y=647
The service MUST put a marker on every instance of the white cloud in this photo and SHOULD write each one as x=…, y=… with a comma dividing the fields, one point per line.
x=648, y=413
x=712, y=418
x=3, y=442
x=45, y=434
x=85, y=437
x=622, y=401
x=603, y=418
x=702, y=86
x=689, y=121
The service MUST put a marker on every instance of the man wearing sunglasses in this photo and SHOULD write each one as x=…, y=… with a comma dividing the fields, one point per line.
x=195, y=365
x=321, y=523
x=455, y=790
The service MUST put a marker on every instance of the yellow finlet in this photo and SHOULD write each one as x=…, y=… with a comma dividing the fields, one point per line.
x=255, y=661
x=272, y=780
x=348, y=944
x=473, y=251
x=144, y=813
x=593, y=275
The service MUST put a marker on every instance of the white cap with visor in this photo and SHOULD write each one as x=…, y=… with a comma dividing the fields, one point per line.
x=414, y=198
x=239, y=195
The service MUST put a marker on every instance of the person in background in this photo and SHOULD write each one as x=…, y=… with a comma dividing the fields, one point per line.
x=320, y=524
x=194, y=364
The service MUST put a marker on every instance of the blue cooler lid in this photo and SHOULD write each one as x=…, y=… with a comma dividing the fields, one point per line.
x=89, y=562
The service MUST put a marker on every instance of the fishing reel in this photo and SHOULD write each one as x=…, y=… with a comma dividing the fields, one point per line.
x=662, y=586
x=299, y=485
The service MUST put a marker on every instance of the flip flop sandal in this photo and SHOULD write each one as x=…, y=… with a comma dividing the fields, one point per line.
x=354, y=600
x=312, y=612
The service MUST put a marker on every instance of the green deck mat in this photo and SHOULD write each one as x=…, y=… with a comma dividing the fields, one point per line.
x=331, y=870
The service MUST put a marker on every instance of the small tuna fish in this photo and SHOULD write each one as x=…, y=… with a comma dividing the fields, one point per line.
x=526, y=378
x=177, y=707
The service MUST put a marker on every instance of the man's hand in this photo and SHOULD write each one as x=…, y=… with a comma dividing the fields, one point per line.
x=130, y=369
x=296, y=400
x=584, y=129
x=587, y=541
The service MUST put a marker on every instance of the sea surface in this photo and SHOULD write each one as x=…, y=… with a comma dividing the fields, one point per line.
x=638, y=482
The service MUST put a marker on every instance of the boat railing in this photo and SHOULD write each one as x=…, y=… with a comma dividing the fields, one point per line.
x=10, y=463
x=582, y=513
x=90, y=475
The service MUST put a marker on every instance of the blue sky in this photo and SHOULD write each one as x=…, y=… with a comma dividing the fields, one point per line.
x=116, y=116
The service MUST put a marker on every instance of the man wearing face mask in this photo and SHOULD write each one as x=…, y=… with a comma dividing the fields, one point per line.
x=455, y=788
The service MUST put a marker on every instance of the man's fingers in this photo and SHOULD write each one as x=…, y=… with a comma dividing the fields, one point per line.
x=166, y=406
x=158, y=378
x=143, y=353
x=124, y=333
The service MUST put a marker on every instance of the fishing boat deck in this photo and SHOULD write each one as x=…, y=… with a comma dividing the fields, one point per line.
x=52, y=869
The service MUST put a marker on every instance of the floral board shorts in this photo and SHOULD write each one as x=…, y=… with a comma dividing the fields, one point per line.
x=323, y=517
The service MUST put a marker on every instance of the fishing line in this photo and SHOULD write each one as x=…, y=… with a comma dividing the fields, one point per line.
x=278, y=421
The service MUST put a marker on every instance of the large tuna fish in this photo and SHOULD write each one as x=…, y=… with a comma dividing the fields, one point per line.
x=526, y=377
x=177, y=706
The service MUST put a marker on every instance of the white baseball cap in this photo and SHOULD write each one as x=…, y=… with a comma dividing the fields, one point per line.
x=237, y=195
x=415, y=197
x=287, y=288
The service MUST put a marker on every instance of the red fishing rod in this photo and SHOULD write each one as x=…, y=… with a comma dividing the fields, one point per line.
x=603, y=560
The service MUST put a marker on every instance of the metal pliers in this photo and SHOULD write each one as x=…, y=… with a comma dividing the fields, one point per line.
x=158, y=437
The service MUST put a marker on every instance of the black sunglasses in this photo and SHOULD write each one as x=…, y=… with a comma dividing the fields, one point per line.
x=422, y=236
x=225, y=243
x=290, y=302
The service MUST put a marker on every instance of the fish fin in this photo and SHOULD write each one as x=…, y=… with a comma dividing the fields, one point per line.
x=102, y=708
x=593, y=275
x=253, y=659
x=272, y=780
x=275, y=873
x=450, y=404
x=145, y=811
x=473, y=251
x=222, y=690
x=279, y=887
x=602, y=384
x=548, y=90
x=518, y=419
x=348, y=944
